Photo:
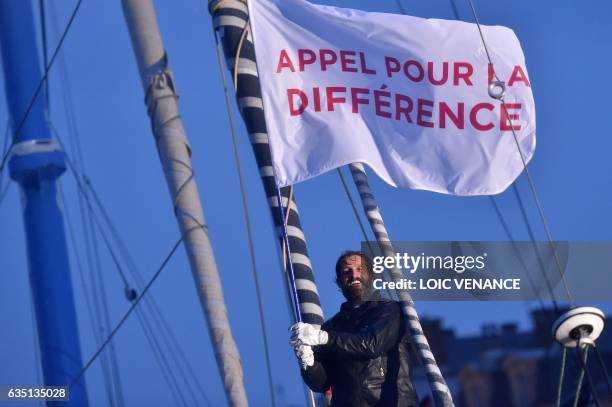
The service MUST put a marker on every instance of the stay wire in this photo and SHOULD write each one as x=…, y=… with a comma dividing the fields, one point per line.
x=93, y=318
x=4, y=189
x=527, y=172
x=506, y=228
x=162, y=361
x=114, y=372
x=99, y=289
x=95, y=223
x=503, y=222
x=155, y=341
x=146, y=329
x=603, y=369
x=79, y=179
x=39, y=87
x=561, y=377
x=132, y=307
x=584, y=369
x=244, y=201
x=535, y=247
x=158, y=318
x=43, y=34
x=83, y=179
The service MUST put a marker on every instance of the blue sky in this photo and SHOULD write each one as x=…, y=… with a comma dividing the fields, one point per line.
x=567, y=51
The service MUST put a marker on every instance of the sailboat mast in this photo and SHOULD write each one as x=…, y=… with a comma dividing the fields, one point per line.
x=175, y=156
x=439, y=389
x=36, y=164
x=230, y=20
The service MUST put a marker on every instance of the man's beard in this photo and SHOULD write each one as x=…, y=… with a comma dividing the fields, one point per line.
x=357, y=293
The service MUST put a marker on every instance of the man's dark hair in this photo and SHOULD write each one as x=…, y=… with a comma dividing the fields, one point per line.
x=348, y=253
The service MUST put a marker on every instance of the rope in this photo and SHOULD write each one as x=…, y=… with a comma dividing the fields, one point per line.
x=527, y=172
x=245, y=30
x=561, y=376
x=39, y=87
x=245, y=208
x=131, y=309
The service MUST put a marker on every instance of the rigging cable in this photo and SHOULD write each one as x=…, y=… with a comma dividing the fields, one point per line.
x=161, y=358
x=75, y=144
x=4, y=189
x=506, y=228
x=540, y=209
x=113, y=370
x=131, y=309
x=526, y=220
x=604, y=369
x=561, y=376
x=584, y=369
x=43, y=33
x=150, y=302
x=527, y=172
x=93, y=223
x=72, y=165
x=39, y=86
x=244, y=200
x=535, y=248
x=145, y=321
x=99, y=290
x=97, y=333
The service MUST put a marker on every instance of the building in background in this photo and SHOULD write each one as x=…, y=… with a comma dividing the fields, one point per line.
x=506, y=367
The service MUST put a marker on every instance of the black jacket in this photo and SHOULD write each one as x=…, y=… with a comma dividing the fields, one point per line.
x=365, y=361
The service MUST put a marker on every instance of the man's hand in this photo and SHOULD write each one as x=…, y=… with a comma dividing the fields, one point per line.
x=306, y=334
x=305, y=356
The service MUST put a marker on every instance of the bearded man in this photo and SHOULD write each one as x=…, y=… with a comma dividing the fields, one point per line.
x=362, y=352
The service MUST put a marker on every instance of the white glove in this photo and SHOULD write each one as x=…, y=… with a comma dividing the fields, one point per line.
x=305, y=356
x=306, y=334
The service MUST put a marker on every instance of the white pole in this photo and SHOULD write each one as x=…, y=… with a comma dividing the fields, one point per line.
x=175, y=156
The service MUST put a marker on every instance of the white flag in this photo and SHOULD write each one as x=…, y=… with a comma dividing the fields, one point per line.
x=407, y=96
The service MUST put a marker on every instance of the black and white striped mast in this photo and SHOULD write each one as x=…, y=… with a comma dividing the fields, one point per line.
x=439, y=388
x=175, y=156
x=230, y=21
